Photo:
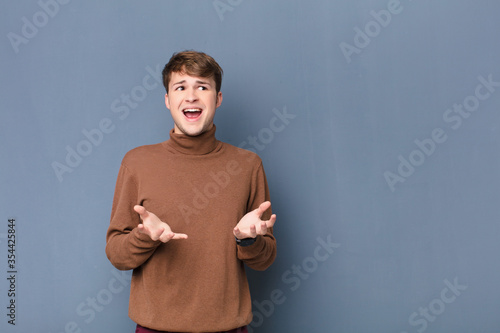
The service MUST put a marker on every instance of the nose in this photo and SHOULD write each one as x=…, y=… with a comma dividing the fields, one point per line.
x=191, y=95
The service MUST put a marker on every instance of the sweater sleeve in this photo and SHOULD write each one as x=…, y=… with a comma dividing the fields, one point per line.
x=126, y=247
x=261, y=254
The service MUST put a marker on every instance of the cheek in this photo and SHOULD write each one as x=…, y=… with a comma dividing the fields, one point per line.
x=174, y=101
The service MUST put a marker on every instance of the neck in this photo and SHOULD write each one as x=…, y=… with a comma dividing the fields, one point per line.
x=194, y=145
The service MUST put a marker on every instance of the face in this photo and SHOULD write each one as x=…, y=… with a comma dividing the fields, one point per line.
x=192, y=102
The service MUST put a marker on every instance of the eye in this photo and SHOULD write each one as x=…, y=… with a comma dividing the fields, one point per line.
x=179, y=88
x=202, y=88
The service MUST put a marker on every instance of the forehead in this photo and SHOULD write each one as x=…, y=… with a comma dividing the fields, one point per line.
x=183, y=77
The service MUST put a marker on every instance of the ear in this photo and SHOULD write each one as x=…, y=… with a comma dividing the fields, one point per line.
x=219, y=100
x=167, y=102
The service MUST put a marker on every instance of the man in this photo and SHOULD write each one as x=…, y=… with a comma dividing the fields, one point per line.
x=189, y=212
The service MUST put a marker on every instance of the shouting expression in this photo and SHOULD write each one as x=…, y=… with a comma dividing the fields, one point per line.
x=192, y=102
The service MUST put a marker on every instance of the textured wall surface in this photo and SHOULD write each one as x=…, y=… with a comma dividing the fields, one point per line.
x=377, y=122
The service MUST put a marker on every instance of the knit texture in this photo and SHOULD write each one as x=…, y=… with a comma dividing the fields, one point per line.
x=201, y=187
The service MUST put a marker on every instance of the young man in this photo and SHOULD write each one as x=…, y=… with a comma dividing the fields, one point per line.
x=189, y=212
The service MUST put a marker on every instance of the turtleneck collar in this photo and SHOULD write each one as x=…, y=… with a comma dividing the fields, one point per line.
x=194, y=145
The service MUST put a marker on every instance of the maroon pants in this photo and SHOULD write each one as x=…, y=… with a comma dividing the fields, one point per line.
x=140, y=329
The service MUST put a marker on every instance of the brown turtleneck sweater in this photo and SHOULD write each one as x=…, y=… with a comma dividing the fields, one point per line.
x=201, y=187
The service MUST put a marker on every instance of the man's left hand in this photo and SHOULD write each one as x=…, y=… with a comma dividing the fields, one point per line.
x=251, y=225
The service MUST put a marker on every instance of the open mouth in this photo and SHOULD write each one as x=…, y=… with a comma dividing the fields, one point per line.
x=192, y=114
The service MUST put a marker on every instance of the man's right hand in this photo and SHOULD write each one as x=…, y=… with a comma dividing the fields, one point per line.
x=153, y=227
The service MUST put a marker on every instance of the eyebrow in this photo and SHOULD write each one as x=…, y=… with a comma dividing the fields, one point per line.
x=197, y=81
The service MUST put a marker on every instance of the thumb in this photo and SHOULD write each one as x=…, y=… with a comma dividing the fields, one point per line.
x=141, y=211
x=263, y=207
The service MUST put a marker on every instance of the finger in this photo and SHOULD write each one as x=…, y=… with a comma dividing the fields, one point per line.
x=141, y=211
x=238, y=234
x=166, y=236
x=263, y=228
x=263, y=207
x=271, y=221
x=180, y=236
x=171, y=235
x=144, y=229
x=155, y=235
x=253, y=231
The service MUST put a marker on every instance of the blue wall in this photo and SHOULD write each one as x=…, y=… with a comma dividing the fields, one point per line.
x=377, y=121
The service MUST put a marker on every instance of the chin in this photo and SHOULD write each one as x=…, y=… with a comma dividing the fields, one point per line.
x=194, y=130
x=191, y=131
